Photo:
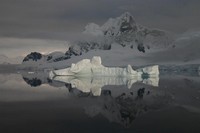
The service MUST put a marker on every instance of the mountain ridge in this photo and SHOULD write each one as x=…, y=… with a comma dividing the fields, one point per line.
x=123, y=31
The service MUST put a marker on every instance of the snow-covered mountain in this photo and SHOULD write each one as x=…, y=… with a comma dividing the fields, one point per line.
x=122, y=31
x=125, y=31
x=185, y=51
x=37, y=59
x=6, y=60
x=119, y=42
x=117, y=32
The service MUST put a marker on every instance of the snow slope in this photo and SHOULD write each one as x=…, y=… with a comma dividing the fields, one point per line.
x=186, y=51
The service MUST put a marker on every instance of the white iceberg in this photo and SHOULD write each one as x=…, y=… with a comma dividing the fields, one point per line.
x=90, y=75
x=88, y=68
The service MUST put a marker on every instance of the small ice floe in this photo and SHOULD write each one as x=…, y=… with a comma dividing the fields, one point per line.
x=31, y=72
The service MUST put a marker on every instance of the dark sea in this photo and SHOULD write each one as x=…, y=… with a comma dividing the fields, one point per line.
x=31, y=102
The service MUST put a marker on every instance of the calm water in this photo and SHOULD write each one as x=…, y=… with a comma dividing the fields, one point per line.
x=32, y=103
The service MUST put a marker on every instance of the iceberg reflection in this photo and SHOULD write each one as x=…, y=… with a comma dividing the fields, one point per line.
x=94, y=84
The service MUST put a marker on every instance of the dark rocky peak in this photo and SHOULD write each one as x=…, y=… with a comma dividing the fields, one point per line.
x=34, y=56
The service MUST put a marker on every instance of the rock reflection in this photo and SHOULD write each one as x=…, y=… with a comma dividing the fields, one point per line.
x=34, y=82
x=140, y=93
x=36, y=79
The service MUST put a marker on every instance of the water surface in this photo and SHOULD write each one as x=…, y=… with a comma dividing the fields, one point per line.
x=33, y=103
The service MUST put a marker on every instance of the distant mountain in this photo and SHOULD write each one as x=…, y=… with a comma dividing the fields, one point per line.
x=121, y=41
x=35, y=58
x=123, y=31
x=6, y=60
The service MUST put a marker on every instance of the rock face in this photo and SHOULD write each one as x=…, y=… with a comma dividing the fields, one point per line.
x=85, y=46
x=34, y=56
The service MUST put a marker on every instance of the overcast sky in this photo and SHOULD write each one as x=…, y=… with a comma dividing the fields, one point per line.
x=25, y=22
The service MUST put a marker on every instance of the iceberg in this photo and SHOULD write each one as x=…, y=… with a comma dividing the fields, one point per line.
x=90, y=75
x=93, y=67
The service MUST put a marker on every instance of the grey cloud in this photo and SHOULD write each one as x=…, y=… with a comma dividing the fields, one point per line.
x=13, y=47
x=72, y=15
x=63, y=19
x=172, y=15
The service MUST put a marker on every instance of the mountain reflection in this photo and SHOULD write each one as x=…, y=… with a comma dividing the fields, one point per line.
x=127, y=106
x=110, y=98
x=38, y=78
x=34, y=82
x=121, y=107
